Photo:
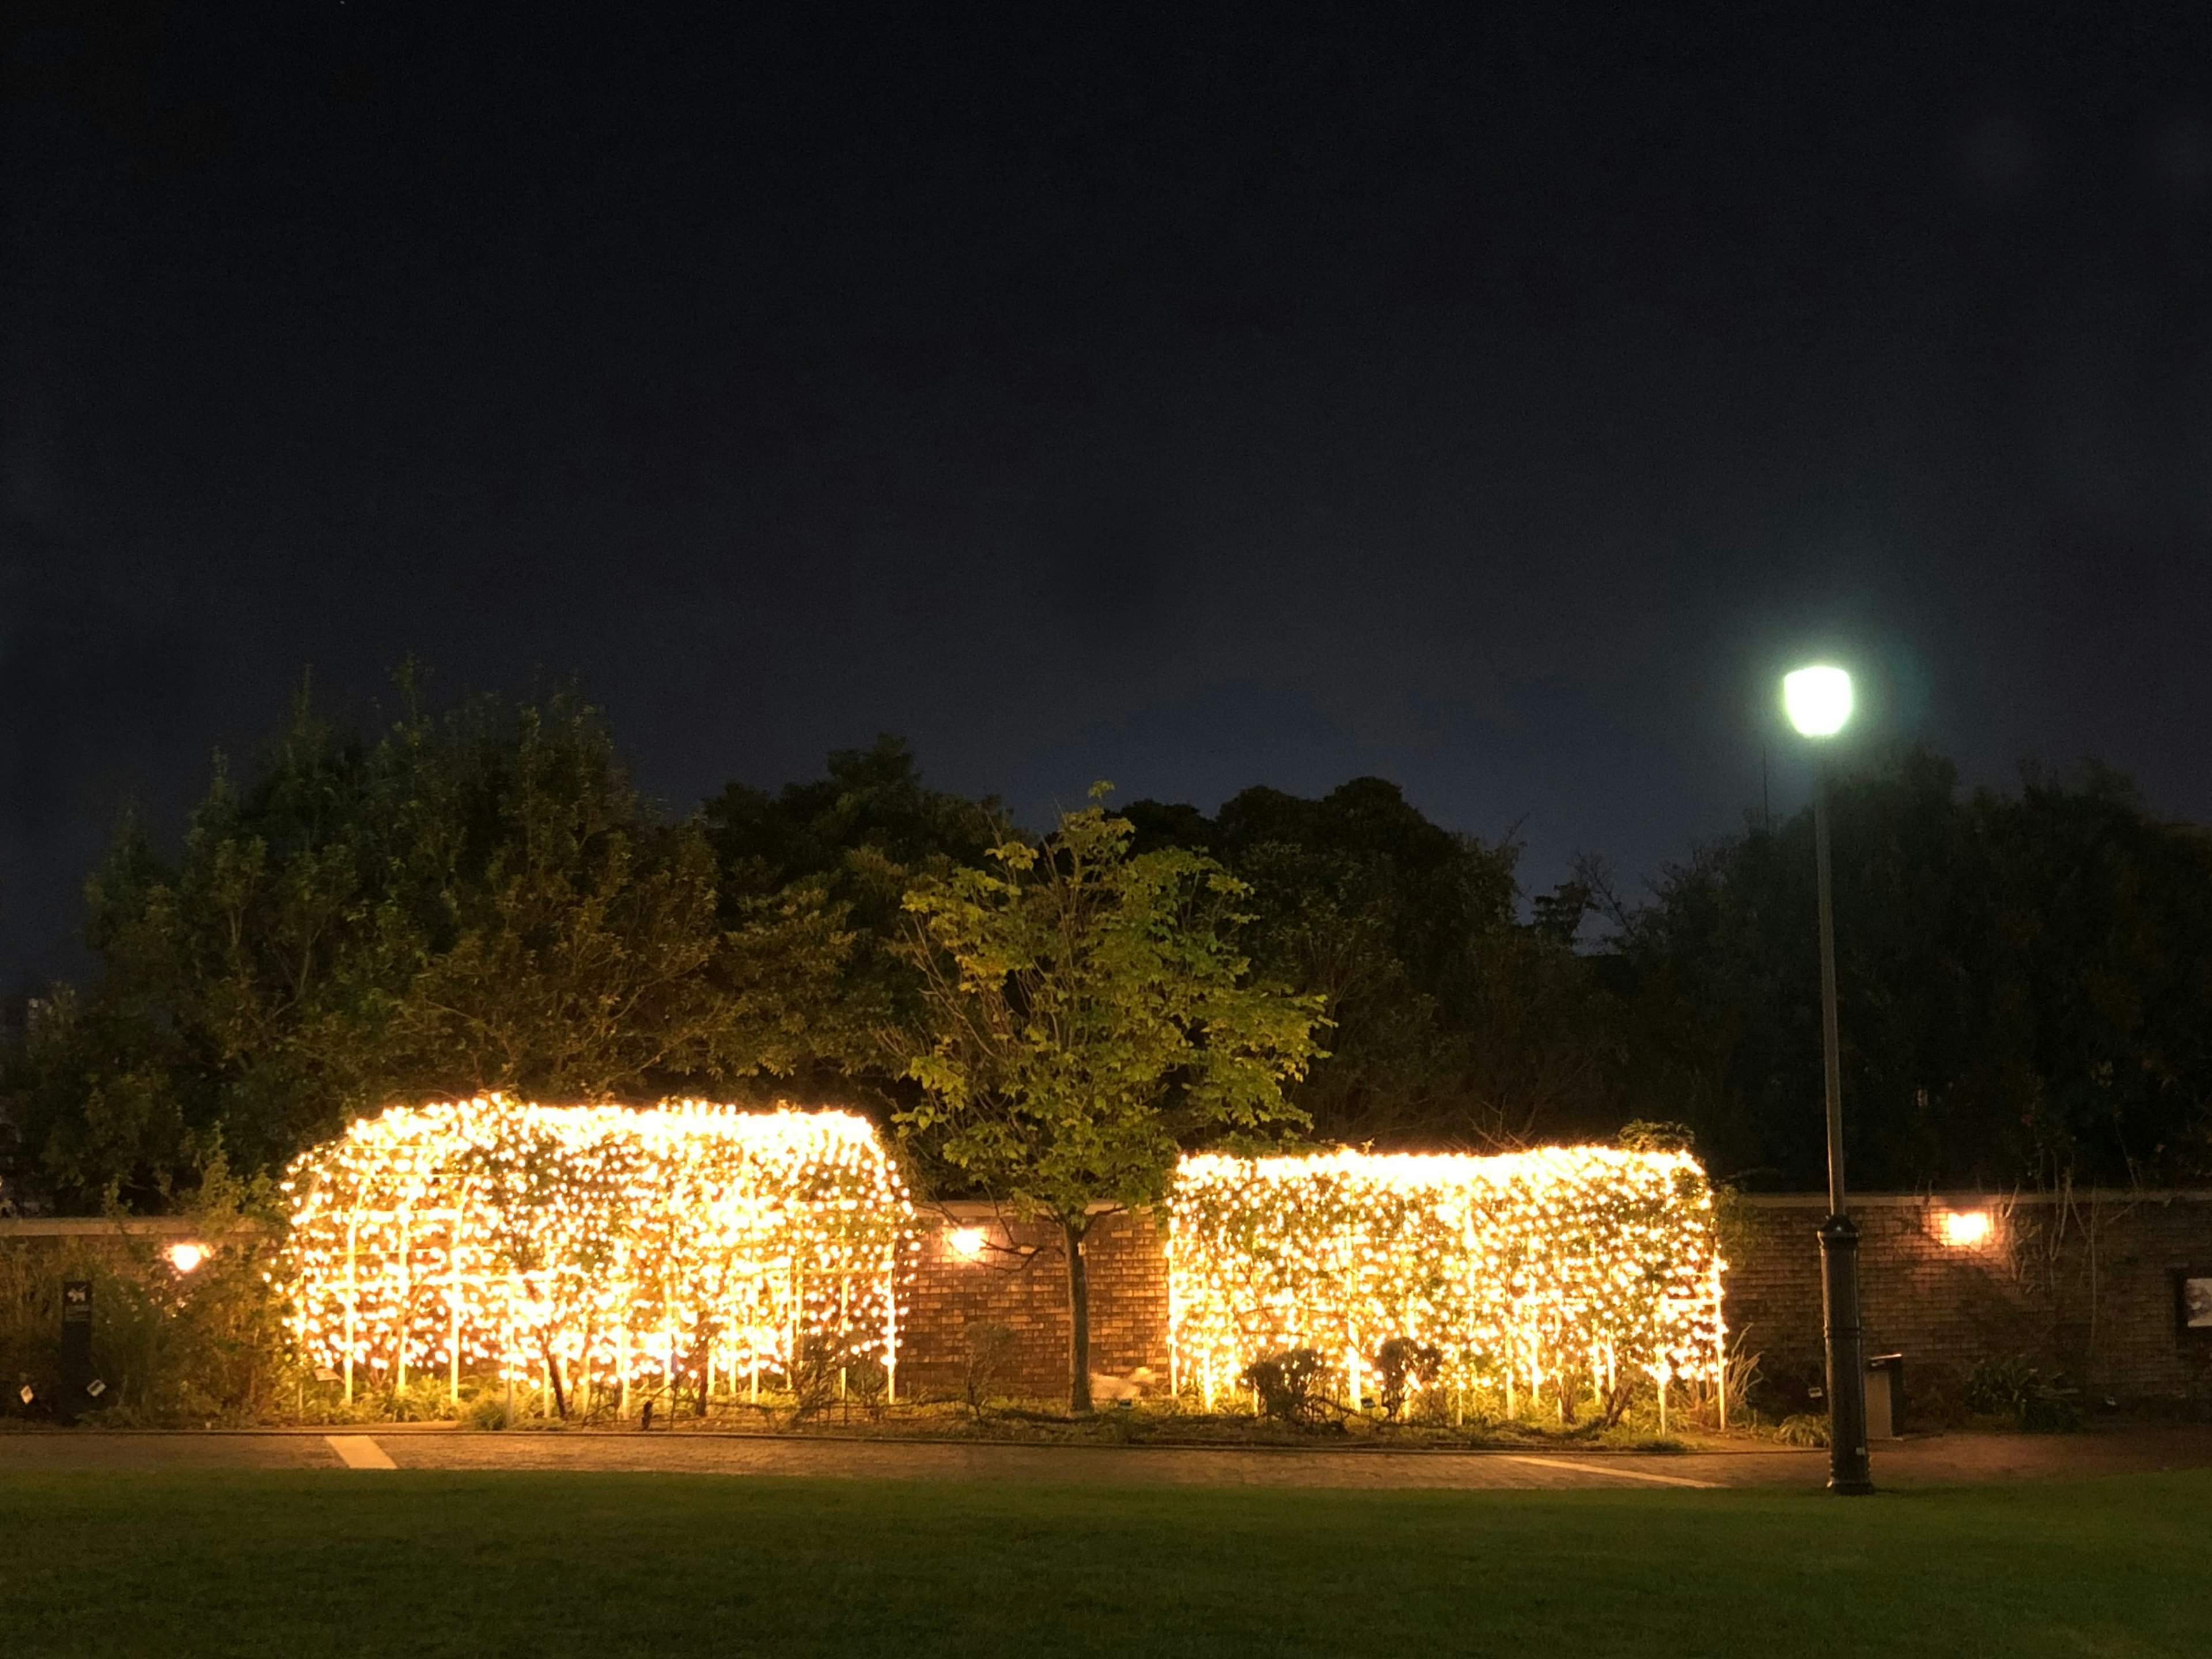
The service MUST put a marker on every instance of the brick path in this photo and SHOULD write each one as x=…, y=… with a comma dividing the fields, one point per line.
x=1940, y=1460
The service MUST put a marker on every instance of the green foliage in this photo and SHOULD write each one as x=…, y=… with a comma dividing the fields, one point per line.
x=1405, y=1368
x=2021, y=982
x=1452, y=1024
x=986, y=1359
x=1089, y=1015
x=1804, y=1429
x=838, y=855
x=1642, y=1135
x=174, y=1349
x=471, y=900
x=479, y=897
x=1292, y=1386
x=2014, y=1389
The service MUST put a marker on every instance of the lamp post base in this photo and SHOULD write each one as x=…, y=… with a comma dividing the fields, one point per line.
x=1849, y=1473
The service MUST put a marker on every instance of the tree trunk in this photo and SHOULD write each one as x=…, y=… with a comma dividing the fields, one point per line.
x=553, y=1376
x=1078, y=1317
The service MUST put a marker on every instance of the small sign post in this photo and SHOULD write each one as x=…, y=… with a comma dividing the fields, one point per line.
x=77, y=1349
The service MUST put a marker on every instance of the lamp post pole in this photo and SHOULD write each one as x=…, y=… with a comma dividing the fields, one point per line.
x=1848, y=1468
x=1819, y=702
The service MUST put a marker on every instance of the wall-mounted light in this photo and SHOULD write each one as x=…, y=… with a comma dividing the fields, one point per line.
x=968, y=1242
x=185, y=1257
x=1964, y=1229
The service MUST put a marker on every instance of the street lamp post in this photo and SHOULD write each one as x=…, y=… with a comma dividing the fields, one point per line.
x=1819, y=702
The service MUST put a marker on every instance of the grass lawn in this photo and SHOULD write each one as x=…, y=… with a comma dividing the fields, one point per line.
x=316, y=1565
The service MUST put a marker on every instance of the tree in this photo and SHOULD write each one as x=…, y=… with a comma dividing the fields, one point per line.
x=843, y=850
x=2021, y=984
x=1089, y=1015
x=473, y=899
x=1452, y=1023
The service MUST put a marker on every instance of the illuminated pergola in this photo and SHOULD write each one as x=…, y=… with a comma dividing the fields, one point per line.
x=598, y=1247
x=1559, y=1269
x=606, y=1250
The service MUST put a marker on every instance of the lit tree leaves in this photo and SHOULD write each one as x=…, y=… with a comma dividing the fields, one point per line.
x=1089, y=1015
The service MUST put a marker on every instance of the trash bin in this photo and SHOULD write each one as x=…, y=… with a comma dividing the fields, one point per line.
x=1885, y=1396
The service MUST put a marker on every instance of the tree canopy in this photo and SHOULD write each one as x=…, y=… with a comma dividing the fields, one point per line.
x=473, y=899
x=472, y=896
x=1455, y=1023
x=1089, y=1015
x=845, y=849
x=2025, y=986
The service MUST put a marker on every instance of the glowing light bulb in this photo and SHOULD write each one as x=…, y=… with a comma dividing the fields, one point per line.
x=1819, y=700
x=184, y=1258
x=1962, y=1230
x=967, y=1242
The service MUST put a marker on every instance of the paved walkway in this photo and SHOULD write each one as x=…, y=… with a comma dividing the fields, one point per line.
x=1941, y=1460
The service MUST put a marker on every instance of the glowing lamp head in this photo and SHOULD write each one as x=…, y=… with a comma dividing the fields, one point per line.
x=1818, y=701
x=967, y=1242
x=1964, y=1229
x=185, y=1257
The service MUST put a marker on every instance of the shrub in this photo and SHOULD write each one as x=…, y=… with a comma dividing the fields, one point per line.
x=1292, y=1385
x=1803, y=1430
x=1404, y=1367
x=424, y=1399
x=2015, y=1389
x=832, y=1366
x=172, y=1348
x=541, y=1231
x=866, y=1381
x=988, y=1353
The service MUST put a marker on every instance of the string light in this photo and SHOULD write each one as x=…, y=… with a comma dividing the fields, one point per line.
x=597, y=1248
x=1562, y=1267
x=594, y=1247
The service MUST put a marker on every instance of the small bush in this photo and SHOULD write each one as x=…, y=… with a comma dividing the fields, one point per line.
x=174, y=1348
x=1406, y=1367
x=1292, y=1386
x=2014, y=1389
x=823, y=1377
x=1803, y=1430
x=866, y=1381
x=988, y=1353
x=424, y=1399
x=1744, y=1379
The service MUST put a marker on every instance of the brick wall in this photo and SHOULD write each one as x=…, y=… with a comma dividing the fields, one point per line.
x=1019, y=1280
x=2089, y=1286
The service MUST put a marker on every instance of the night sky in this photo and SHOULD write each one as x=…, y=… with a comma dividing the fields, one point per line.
x=1490, y=404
